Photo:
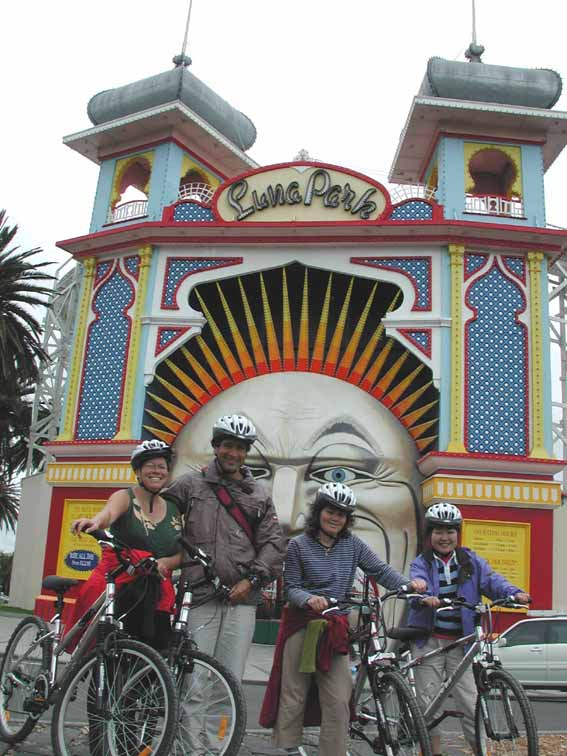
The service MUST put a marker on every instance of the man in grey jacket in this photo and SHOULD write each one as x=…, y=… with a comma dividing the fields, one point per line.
x=231, y=517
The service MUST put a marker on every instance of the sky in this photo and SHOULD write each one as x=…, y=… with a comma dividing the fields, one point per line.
x=334, y=78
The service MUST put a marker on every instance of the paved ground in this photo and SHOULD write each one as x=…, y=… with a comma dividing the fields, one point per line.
x=257, y=741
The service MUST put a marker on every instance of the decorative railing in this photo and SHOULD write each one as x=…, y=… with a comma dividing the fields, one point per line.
x=201, y=192
x=402, y=192
x=493, y=205
x=129, y=210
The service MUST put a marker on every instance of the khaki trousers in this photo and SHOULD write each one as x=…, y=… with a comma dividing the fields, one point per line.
x=430, y=675
x=335, y=688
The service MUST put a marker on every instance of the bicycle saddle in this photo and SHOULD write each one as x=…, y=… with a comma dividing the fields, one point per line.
x=407, y=633
x=58, y=584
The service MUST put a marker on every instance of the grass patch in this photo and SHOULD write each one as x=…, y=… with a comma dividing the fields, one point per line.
x=14, y=610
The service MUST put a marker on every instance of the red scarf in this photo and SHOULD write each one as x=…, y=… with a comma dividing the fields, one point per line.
x=333, y=641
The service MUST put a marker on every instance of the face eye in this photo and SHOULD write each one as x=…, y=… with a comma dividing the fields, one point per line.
x=339, y=474
x=260, y=472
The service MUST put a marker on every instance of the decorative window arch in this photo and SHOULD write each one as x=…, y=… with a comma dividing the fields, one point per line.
x=133, y=171
x=493, y=169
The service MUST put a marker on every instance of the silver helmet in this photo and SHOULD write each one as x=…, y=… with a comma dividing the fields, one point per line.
x=443, y=514
x=234, y=426
x=150, y=450
x=338, y=495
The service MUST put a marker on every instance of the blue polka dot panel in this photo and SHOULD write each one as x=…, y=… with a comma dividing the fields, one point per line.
x=417, y=269
x=516, y=266
x=101, y=270
x=132, y=265
x=179, y=268
x=191, y=212
x=496, y=367
x=421, y=339
x=414, y=210
x=105, y=361
x=167, y=336
x=473, y=263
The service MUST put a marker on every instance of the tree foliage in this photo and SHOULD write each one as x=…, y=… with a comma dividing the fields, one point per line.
x=24, y=286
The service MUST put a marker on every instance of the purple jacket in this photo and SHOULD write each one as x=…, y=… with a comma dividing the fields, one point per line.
x=476, y=579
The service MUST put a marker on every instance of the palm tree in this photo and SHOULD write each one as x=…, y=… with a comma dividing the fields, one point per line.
x=21, y=288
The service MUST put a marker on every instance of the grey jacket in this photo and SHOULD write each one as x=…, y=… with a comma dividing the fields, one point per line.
x=209, y=526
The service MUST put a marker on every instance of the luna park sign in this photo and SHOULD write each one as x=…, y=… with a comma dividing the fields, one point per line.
x=301, y=193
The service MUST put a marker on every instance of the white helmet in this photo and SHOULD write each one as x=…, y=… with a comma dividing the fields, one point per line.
x=234, y=426
x=337, y=494
x=150, y=450
x=443, y=514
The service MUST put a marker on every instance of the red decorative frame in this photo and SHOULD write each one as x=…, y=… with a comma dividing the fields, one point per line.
x=376, y=265
x=406, y=332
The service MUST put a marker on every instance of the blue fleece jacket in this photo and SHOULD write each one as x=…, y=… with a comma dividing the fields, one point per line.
x=476, y=579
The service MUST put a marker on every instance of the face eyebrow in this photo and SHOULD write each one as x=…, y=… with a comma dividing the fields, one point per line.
x=341, y=427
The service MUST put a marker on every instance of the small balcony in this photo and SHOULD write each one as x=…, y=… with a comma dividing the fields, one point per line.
x=198, y=191
x=128, y=211
x=485, y=204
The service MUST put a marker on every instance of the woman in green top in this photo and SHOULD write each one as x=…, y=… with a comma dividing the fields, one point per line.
x=143, y=519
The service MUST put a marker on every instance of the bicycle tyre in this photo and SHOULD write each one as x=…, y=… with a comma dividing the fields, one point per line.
x=219, y=725
x=15, y=722
x=506, y=705
x=401, y=729
x=139, y=699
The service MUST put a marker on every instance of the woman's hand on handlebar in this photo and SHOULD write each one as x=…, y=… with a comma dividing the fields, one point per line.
x=433, y=602
x=417, y=585
x=318, y=603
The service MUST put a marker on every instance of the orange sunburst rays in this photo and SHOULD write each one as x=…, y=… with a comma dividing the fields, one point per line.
x=372, y=362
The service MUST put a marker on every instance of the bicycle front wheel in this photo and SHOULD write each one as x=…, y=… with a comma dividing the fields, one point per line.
x=212, y=707
x=504, y=719
x=24, y=679
x=393, y=717
x=117, y=702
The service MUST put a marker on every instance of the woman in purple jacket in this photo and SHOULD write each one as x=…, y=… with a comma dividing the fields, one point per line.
x=451, y=571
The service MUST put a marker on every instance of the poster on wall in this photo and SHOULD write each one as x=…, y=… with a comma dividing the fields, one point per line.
x=77, y=556
x=506, y=545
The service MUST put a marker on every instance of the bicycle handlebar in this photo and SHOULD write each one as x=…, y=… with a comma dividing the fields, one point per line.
x=126, y=565
x=509, y=602
x=350, y=603
x=198, y=555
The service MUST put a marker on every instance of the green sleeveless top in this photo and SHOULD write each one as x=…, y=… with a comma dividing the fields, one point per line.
x=139, y=532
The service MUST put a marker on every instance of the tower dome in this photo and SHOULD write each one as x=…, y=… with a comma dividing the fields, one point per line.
x=178, y=84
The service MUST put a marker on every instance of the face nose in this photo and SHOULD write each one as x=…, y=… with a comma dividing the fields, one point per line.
x=284, y=494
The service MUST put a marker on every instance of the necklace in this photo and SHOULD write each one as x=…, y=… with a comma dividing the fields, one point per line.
x=326, y=549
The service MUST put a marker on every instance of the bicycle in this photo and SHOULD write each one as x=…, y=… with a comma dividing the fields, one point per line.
x=118, y=699
x=212, y=707
x=387, y=716
x=503, y=714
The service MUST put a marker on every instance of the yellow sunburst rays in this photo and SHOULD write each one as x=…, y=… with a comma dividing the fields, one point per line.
x=287, y=331
x=271, y=338
x=232, y=365
x=373, y=371
x=357, y=373
x=352, y=346
x=255, y=340
x=331, y=360
x=319, y=346
x=303, y=343
x=242, y=351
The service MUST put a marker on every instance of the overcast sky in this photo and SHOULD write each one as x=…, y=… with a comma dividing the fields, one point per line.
x=335, y=78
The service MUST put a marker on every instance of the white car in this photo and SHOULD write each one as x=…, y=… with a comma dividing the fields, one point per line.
x=535, y=651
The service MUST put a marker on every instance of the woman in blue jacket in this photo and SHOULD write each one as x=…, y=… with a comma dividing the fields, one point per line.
x=451, y=571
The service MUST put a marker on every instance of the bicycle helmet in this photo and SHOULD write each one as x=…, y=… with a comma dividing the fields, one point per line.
x=150, y=450
x=337, y=494
x=443, y=514
x=234, y=426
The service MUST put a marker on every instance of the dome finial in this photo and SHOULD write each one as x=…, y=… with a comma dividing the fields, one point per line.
x=474, y=51
x=183, y=59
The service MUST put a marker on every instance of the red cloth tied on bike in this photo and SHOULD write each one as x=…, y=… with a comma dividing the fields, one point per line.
x=333, y=641
x=96, y=585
